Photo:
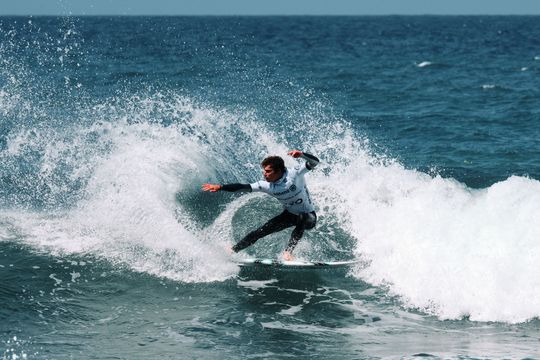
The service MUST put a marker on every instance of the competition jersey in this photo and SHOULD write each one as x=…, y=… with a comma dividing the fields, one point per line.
x=290, y=190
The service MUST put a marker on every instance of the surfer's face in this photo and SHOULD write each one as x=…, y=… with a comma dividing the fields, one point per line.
x=270, y=174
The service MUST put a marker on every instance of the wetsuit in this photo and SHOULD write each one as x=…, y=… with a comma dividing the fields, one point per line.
x=292, y=192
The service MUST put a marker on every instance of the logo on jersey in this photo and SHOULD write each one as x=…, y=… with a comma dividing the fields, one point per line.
x=292, y=188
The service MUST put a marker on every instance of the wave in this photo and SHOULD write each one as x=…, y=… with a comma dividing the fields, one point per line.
x=439, y=246
x=119, y=179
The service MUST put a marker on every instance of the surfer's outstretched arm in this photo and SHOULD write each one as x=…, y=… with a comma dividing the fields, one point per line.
x=226, y=187
x=311, y=160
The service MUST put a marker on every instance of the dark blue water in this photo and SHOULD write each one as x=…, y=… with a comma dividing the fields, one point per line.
x=427, y=130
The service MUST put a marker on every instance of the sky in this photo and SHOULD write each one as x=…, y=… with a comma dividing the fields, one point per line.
x=269, y=7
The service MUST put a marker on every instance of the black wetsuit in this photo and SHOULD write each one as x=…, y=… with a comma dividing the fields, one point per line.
x=292, y=192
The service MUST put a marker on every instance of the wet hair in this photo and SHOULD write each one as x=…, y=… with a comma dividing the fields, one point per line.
x=275, y=162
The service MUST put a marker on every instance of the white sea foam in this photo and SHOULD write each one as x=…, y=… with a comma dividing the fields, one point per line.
x=424, y=64
x=444, y=248
x=128, y=213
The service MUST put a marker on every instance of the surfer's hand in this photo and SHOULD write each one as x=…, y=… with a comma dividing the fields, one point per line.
x=211, y=187
x=287, y=256
x=295, y=153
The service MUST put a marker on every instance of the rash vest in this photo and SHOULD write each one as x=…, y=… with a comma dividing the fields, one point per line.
x=290, y=190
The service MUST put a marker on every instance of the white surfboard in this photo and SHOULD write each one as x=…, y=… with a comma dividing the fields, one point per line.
x=294, y=263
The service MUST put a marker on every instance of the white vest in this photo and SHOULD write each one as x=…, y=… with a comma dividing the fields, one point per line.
x=290, y=190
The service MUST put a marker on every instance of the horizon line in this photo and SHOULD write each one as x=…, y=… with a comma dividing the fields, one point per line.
x=262, y=15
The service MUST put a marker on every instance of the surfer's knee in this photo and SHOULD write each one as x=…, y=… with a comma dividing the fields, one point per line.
x=308, y=220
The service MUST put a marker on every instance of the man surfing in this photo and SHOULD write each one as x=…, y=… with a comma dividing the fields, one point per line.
x=289, y=187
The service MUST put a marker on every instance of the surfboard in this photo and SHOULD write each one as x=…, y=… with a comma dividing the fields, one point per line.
x=254, y=262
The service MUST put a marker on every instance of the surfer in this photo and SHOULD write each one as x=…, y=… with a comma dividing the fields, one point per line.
x=289, y=187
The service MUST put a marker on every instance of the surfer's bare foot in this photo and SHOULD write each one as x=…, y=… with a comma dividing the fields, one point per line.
x=287, y=256
x=229, y=249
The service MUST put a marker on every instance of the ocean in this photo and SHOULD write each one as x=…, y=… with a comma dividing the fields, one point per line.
x=427, y=128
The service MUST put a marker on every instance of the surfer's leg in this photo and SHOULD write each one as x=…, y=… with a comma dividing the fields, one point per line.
x=306, y=221
x=278, y=223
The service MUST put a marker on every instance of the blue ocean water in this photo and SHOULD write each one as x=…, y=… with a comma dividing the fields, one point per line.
x=427, y=128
